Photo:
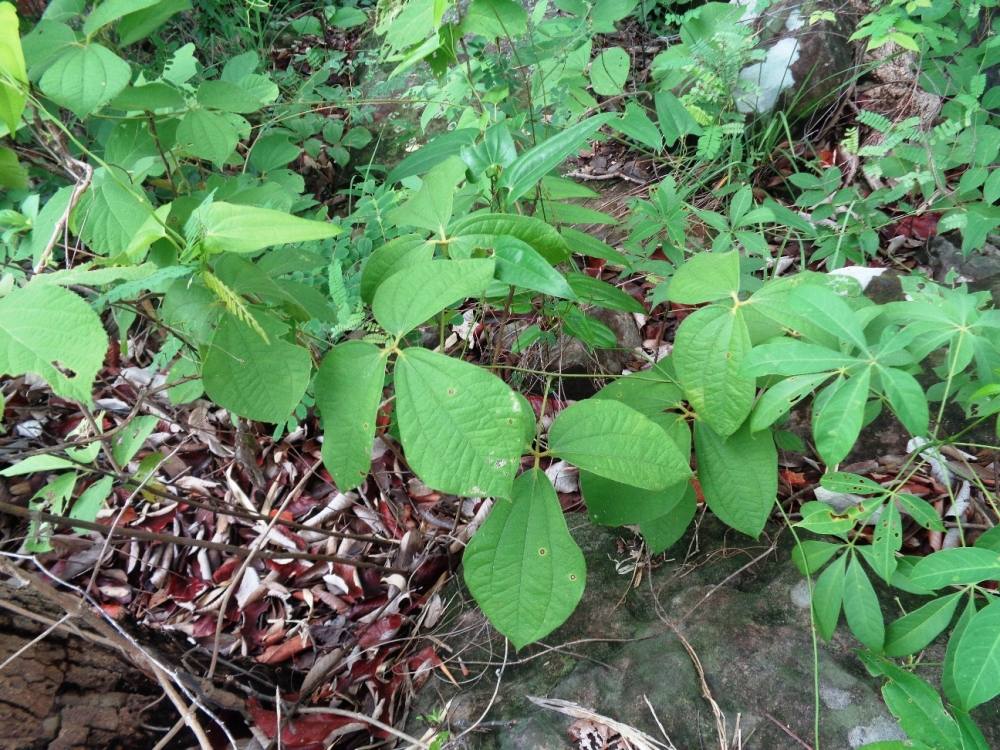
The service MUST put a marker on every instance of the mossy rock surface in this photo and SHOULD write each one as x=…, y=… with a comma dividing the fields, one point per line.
x=749, y=627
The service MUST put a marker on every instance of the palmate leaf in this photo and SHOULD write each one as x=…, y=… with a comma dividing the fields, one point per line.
x=523, y=567
x=611, y=440
x=54, y=333
x=348, y=392
x=254, y=378
x=462, y=428
x=861, y=607
x=976, y=665
x=839, y=415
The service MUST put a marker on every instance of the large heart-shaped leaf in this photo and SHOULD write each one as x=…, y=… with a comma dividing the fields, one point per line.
x=706, y=277
x=348, y=392
x=738, y=475
x=254, y=378
x=409, y=297
x=394, y=255
x=523, y=567
x=53, y=333
x=462, y=427
x=85, y=77
x=482, y=230
x=611, y=440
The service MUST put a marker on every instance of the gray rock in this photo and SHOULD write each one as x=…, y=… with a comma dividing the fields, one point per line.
x=750, y=632
x=804, y=63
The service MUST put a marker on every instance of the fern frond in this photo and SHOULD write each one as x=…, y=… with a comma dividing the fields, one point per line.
x=875, y=121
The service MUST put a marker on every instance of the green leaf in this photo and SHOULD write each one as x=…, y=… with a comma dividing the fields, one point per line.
x=811, y=309
x=128, y=440
x=495, y=19
x=887, y=541
x=738, y=476
x=227, y=97
x=840, y=415
x=828, y=597
x=111, y=213
x=609, y=71
x=348, y=393
x=394, y=255
x=90, y=502
x=528, y=168
x=649, y=391
x=810, y=555
x=782, y=396
x=110, y=11
x=852, y=484
x=921, y=511
x=613, y=441
x=977, y=658
x=84, y=78
x=12, y=97
x=705, y=277
x=918, y=707
x=915, y=631
x=207, y=135
x=787, y=356
x=661, y=533
x=461, y=426
x=53, y=333
x=149, y=98
x=409, y=297
x=51, y=497
x=709, y=349
x=635, y=124
x=518, y=264
x=674, y=119
x=37, y=465
x=138, y=25
x=523, y=567
x=254, y=378
x=435, y=151
x=958, y=566
x=861, y=607
x=906, y=398
x=484, y=229
x=431, y=206
x=948, y=670
x=603, y=294
x=12, y=174
x=611, y=503
x=230, y=228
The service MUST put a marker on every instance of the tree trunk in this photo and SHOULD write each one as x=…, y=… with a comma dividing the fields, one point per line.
x=67, y=691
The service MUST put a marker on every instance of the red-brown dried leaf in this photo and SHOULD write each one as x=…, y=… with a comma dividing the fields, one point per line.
x=306, y=732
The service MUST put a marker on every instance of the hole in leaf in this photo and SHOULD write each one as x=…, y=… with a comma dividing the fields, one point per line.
x=68, y=372
x=542, y=552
